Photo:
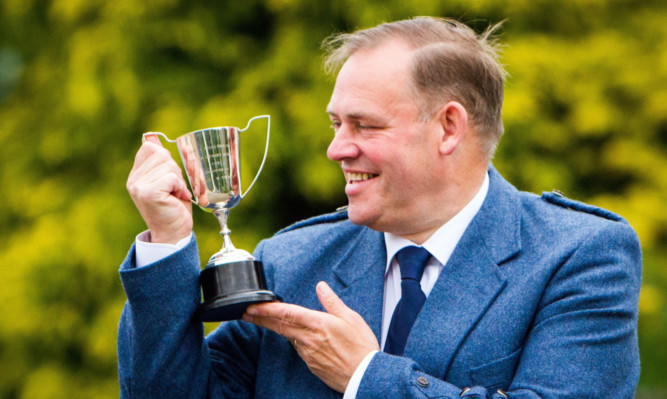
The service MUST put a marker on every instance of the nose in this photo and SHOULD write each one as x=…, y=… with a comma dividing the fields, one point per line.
x=343, y=145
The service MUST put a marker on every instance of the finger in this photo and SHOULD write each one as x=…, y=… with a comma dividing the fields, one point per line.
x=148, y=150
x=289, y=331
x=330, y=301
x=285, y=319
x=150, y=157
x=151, y=137
x=158, y=184
x=277, y=311
x=169, y=177
x=150, y=144
x=152, y=169
x=174, y=185
x=182, y=192
x=159, y=156
x=151, y=162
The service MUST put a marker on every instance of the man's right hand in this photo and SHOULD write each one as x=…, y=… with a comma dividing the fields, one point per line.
x=160, y=193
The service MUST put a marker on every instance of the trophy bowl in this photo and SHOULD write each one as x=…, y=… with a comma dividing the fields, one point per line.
x=232, y=279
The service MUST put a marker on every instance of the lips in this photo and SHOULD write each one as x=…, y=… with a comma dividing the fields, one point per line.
x=358, y=177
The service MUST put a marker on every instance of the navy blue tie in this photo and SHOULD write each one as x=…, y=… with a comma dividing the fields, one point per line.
x=412, y=261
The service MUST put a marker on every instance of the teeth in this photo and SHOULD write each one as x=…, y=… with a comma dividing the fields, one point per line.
x=355, y=177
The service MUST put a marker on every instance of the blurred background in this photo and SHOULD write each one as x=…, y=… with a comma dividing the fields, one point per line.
x=81, y=80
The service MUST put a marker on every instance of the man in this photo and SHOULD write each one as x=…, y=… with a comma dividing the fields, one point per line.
x=521, y=296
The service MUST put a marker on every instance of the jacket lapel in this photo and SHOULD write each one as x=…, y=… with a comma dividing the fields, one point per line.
x=360, y=272
x=469, y=282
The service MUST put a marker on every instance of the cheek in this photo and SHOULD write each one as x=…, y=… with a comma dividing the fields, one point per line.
x=417, y=172
x=403, y=183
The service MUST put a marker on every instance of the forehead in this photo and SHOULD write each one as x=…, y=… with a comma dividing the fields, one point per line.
x=373, y=78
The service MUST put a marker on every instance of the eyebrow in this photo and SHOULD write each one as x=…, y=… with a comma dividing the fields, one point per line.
x=356, y=116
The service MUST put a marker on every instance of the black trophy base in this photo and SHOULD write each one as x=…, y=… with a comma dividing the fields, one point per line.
x=230, y=288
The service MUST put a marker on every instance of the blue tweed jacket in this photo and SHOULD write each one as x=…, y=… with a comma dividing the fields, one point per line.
x=539, y=300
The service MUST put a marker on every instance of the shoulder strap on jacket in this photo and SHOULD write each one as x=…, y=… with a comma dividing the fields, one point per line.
x=326, y=218
x=557, y=198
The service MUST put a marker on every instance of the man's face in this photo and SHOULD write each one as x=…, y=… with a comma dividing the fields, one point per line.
x=387, y=154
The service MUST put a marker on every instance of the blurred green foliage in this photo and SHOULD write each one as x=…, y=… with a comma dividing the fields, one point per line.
x=80, y=80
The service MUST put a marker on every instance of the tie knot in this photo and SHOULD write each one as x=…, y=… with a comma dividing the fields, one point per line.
x=412, y=261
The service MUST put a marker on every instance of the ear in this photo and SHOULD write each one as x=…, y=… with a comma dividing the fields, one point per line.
x=453, y=119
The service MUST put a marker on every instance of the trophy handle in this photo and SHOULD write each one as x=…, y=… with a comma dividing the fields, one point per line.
x=143, y=136
x=266, y=148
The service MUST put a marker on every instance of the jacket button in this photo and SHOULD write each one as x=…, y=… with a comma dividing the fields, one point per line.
x=422, y=382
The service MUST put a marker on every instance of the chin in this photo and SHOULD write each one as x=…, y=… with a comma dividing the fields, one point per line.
x=355, y=215
x=354, y=218
x=360, y=217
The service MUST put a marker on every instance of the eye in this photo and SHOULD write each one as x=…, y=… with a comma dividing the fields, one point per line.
x=363, y=126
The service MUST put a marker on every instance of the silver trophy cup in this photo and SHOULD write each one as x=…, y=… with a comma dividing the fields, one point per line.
x=232, y=278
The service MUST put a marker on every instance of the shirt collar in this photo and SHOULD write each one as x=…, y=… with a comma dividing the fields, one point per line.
x=442, y=243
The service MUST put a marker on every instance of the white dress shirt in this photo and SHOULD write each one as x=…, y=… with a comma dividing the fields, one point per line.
x=147, y=252
x=441, y=245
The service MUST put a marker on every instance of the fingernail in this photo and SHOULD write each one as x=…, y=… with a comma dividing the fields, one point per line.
x=251, y=310
x=323, y=288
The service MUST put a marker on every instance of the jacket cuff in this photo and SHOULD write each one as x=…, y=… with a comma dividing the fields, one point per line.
x=163, y=282
x=389, y=376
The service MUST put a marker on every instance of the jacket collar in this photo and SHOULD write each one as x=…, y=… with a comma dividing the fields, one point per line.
x=360, y=270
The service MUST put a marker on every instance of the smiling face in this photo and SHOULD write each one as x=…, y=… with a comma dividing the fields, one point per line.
x=390, y=157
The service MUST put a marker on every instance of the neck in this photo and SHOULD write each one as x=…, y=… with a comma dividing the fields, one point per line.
x=461, y=187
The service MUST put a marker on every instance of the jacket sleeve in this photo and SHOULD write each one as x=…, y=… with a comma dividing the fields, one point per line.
x=162, y=352
x=582, y=342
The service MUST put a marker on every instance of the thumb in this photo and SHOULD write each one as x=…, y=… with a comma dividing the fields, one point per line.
x=331, y=302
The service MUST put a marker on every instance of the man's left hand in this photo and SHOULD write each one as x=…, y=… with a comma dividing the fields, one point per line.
x=332, y=343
